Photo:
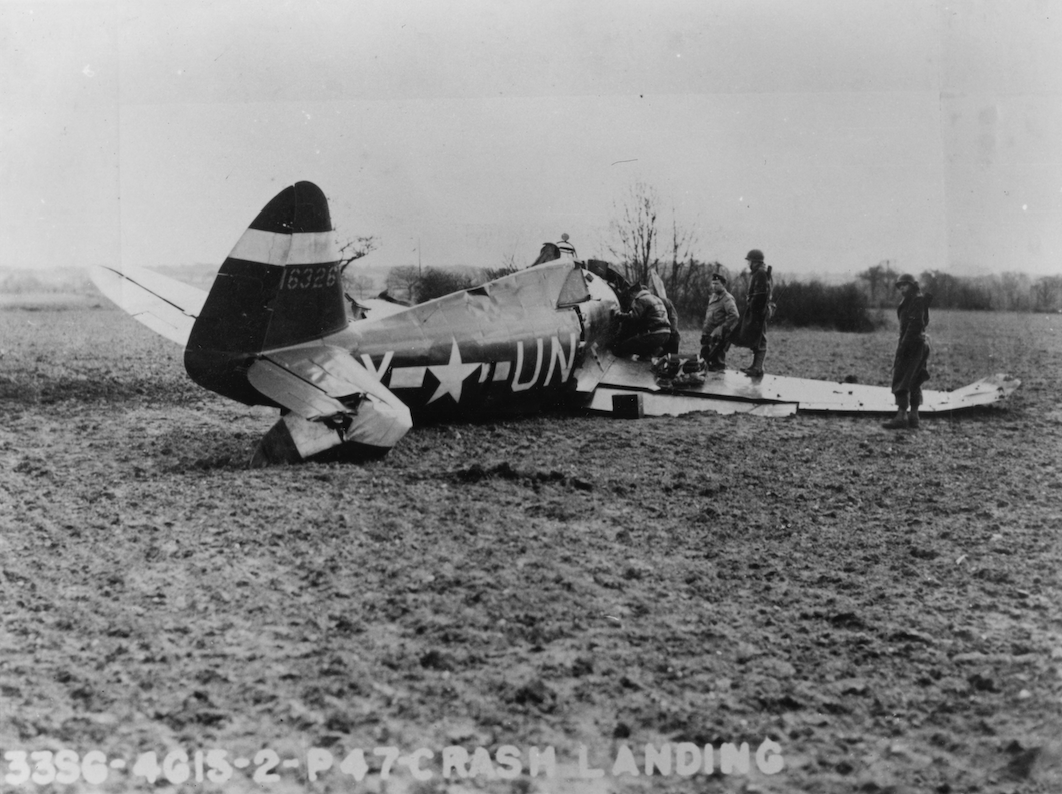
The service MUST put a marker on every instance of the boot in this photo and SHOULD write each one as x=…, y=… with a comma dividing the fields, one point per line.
x=898, y=422
x=756, y=370
x=912, y=418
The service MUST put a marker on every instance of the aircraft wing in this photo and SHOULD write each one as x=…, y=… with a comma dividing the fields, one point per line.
x=165, y=305
x=774, y=395
x=375, y=308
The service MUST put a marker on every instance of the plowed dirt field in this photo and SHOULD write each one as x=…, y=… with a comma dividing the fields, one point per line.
x=869, y=611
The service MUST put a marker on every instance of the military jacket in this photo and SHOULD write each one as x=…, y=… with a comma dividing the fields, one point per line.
x=722, y=311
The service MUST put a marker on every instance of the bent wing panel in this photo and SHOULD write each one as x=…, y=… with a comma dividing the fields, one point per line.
x=165, y=305
x=805, y=393
x=987, y=391
x=660, y=404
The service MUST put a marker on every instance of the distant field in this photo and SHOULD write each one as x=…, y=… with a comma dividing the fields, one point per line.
x=885, y=608
x=32, y=301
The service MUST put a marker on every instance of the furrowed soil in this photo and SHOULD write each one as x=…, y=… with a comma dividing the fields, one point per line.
x=873, y=611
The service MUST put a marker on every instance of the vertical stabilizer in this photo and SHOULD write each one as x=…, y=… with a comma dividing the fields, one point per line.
x=279, y=286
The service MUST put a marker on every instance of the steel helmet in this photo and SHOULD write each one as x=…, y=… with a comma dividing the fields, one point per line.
x=755, y=255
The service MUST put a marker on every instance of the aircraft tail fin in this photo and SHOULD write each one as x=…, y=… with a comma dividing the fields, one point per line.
x=280, y=286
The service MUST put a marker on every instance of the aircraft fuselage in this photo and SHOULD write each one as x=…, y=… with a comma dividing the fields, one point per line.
x=513, y=343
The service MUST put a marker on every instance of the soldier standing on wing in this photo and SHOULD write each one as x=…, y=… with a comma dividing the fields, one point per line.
x=754, y=321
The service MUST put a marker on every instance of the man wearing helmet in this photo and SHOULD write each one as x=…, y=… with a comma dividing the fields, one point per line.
x=909, y=369
x=754, y=321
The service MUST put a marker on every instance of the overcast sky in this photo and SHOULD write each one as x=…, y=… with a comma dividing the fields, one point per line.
x=832, y=134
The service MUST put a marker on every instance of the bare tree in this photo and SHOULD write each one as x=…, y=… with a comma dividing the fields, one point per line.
x=879, y=280
x=508, y=267
x=402, y=282
x=635, y=229
x=355, y=248
x=1047, y=293
x=1016, y=289
x=679, y=271
x=435, y=282
x=873, y=277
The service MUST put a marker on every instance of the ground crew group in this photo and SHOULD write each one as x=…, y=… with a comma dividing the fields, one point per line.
x=651, y=323
x=653, y=328
x=722, y=318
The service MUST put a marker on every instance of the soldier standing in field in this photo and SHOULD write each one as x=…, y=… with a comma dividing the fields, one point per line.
x=720, y=320
x=909, y=369
x=754, y=321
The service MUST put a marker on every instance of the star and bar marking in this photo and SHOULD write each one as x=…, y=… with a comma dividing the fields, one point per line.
x=452, y=375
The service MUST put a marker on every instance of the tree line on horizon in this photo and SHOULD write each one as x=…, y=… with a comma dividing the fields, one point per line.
x=642, y=243
x=1008, y=292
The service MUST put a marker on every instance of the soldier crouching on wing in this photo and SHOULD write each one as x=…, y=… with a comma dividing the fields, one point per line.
x=909, y=370
x=646, y=328
x=719, y=322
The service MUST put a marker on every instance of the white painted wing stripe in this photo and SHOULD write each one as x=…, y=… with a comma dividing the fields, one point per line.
x=273, y=248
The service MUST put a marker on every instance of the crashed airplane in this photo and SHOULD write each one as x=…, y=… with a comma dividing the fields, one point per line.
x=274, y=330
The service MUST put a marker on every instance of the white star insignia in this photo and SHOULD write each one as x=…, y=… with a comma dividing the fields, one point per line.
x=451, y=375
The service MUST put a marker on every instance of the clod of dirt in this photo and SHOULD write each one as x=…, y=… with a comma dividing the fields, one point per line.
x=536, y=693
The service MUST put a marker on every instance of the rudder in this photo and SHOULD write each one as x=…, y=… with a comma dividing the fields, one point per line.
x=280, y=286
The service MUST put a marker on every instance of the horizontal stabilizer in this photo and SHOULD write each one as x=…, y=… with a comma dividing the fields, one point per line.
x=375, y=308
x=326, y=383
x=165, y=305
x=293, y=392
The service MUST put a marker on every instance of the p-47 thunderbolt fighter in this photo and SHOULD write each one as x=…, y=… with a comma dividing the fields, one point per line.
x=274, y=330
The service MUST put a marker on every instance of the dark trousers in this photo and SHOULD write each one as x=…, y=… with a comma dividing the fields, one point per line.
x=714, y=352
x=909, y=371
x=643, y=345
x=911, y=399
x=672, y=346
